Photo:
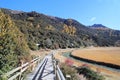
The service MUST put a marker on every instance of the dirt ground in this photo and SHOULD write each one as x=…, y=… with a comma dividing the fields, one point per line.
x=109, y=75
x=41, y=53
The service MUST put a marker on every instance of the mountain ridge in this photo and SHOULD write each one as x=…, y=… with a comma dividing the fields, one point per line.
x=40, y=28
x=99, y=27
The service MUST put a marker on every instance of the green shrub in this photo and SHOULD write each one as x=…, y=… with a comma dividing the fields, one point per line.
x=90, y=74
x=32, y=45
x=67, y=70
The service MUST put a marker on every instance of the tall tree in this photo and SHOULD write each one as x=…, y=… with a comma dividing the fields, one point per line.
x=12, y=44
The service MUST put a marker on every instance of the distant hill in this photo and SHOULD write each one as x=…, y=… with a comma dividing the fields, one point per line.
x=54, y=32
x=99, y=27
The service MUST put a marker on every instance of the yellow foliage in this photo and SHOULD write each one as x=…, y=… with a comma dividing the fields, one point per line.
x=9, y=31
x=4, y=23
x=50, y=27
x=12, y=44
x=69, y=29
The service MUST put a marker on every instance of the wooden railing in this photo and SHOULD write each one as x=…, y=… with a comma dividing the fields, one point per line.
x=39, y=71
x=59, y=73
x=16, y=73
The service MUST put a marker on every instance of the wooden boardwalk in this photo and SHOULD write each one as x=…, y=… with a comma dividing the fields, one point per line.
x=44, y=71
x=48, y=73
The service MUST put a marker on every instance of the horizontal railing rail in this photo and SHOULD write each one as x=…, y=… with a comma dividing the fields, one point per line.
x=39, y=72
x=59, y=74
x=17, y=72
x=13, y=74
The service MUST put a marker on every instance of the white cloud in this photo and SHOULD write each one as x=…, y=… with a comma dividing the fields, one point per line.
x=92, y=19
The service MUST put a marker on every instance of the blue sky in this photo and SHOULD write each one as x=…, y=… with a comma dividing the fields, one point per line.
x=87, y=12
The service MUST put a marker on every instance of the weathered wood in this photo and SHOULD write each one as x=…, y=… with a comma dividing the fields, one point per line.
x=60, y=74
x=19, y=70
x=48, y=64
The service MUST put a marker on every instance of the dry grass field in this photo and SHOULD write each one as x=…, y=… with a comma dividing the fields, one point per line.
x=109, y=75
x=100, y=54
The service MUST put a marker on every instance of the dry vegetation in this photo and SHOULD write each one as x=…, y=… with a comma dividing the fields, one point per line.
x=104, y=54
x=41, y=53
x=109, y=75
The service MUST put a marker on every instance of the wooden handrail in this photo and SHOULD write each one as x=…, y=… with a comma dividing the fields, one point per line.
x=16, y=73
x=60, y=74
x=19, y=70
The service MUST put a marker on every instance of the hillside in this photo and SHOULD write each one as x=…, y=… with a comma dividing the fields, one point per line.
x=13, y=45
x=112, y=36
x=53, y=32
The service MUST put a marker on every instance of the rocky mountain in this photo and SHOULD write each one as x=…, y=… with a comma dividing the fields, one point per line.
x=99, y=27
x=54, y=32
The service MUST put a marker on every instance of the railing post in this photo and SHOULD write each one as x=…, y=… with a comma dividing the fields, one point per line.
x=33, y=65
x=38, y=60
x=53, y=61
x=56, y=69
x=55, y=66
x=21, y=63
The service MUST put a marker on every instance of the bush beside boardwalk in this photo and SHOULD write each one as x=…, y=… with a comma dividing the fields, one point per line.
x=76, y=72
